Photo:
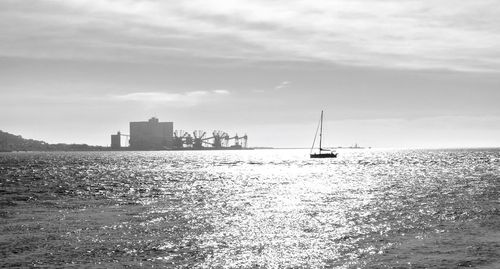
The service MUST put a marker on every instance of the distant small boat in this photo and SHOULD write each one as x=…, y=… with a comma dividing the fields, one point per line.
x=321, y=153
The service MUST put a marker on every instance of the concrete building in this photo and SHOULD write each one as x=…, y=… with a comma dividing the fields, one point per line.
x=151, y=135
x=116, y=142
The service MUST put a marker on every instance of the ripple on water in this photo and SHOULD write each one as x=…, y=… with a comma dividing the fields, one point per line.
x=270, y=208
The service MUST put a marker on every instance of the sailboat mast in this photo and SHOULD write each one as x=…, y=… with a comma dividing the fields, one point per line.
x=321, y=131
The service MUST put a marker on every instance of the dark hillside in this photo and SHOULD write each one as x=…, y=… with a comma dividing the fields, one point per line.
x=10, y=142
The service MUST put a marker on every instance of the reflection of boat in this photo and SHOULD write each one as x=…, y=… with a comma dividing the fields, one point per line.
x=321, y=153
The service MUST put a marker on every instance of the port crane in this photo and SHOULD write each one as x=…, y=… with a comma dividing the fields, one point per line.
x=198, y=139
x=239, y=142
x=180, y=137
x=217, y=140
x=245, y=141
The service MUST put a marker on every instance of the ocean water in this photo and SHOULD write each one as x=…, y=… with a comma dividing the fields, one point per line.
x=251, y=209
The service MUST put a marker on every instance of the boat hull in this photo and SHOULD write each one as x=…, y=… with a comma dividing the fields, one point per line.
x=324, y=155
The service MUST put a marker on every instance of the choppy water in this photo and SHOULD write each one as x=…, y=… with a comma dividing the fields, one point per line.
x=259, y=209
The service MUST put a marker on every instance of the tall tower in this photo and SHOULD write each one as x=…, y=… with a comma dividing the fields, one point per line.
x=116, y=141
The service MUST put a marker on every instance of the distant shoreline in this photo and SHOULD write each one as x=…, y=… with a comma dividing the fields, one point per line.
x=108, y=149
x=16, y=143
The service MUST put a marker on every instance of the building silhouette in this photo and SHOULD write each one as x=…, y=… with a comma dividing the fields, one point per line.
x=116, y=141
x=151, y=135
x=156, y=135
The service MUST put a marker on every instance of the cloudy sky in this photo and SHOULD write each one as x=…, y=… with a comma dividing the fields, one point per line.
x=388, y=73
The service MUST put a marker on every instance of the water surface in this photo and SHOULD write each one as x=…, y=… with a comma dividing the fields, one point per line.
x=251, y=209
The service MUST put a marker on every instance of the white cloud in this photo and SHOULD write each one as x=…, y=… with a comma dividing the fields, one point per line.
x=221, y=91
x=282, y=85
x=181, y=99
x=447, y=34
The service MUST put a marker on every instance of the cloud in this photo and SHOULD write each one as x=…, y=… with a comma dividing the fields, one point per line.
x=182, y=99
x=221, y=91
x=282, y=85
x=391, y=33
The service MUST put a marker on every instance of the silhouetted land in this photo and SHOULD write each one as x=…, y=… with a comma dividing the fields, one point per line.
x=10, y=142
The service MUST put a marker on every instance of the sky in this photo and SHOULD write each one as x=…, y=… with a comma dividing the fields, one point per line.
x=387, y=73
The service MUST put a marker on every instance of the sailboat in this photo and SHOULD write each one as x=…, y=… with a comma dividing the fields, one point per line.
x=321, y=153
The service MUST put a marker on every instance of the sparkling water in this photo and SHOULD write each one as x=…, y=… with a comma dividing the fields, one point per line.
x=251, y=209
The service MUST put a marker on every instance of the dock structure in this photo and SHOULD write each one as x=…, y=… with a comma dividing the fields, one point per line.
x=200, y=140
x=156, y=135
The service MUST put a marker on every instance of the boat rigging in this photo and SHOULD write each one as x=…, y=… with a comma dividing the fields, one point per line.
x=321, y=153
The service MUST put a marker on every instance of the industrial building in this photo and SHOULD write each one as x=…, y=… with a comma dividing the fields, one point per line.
x=116, y=141
x=156, y=135
x=151, y=135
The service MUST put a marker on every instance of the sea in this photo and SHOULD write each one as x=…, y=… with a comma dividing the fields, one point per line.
x=368, y=208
